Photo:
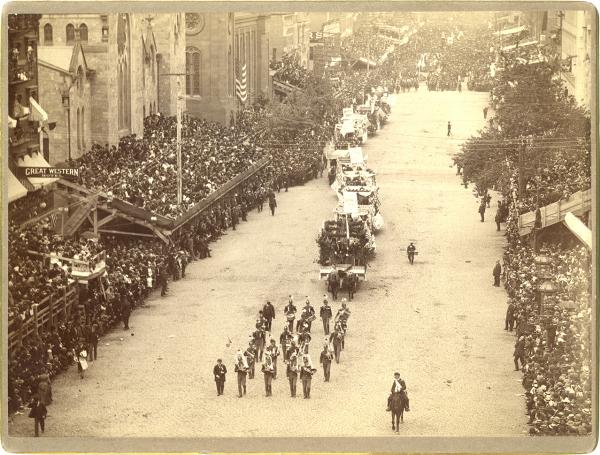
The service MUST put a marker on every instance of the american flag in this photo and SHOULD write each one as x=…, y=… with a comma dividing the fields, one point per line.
x=53, y=217
x=240, y=85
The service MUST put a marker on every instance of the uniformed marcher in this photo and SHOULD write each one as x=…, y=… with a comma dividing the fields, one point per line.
x=306, y=374
x=241, y=368
x=325, y=360
x=292, y=373
x=273, y=351
x=219, y=371
x=325, y=314
x=268, y=371
x=285, y=341
x=251, y=355
x=307, y=315
x=290, y=313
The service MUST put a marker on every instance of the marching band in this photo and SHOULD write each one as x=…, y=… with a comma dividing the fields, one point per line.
x=293, y=346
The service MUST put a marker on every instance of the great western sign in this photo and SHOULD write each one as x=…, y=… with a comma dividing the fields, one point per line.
x=51, y=172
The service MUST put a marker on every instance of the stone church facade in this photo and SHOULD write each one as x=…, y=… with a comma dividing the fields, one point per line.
x=107, y=73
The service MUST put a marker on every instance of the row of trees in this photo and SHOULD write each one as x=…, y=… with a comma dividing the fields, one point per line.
x=537, y=129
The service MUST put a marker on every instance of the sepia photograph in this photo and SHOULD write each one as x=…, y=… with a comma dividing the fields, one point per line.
x=345, y=226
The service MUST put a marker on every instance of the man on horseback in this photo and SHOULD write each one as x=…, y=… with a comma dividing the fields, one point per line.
x=398, y=387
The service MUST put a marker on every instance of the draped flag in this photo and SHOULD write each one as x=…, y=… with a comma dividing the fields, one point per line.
x=240, y=84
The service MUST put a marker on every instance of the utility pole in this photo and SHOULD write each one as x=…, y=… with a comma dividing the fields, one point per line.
x=178, y=143
x=521, y=169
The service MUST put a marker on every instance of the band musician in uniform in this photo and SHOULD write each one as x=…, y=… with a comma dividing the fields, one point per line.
x=306, y=373
x=241, y=368
x=292, y=373
x=273, y=351
x=269, y=371
x=290, y=313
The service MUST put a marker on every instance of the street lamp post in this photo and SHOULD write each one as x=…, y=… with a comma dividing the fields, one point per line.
x=66, y=101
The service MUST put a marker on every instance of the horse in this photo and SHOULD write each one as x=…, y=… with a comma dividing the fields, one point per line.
x=333, y=284
x=397, y=405
x=351, y=282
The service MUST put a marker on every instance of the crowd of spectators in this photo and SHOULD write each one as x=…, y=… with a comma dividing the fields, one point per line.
x=289, y=70
x=35, y=204
x=553, y=339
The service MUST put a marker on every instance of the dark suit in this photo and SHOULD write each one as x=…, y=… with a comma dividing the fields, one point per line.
x=496, y=273
x=519, y=354
x=325, y=314
x=325, y=360
x=220, y=371
x=269, y=314
x=38, y=413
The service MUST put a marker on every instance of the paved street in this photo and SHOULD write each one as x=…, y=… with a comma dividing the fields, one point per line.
x=440, y=322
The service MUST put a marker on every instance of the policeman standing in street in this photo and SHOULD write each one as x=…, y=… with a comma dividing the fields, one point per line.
x=410, y=251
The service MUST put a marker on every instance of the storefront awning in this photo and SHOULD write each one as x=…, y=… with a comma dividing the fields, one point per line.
x=15, y=189
x=366, y=61
x=37, y=113
x=37, y=160
x=510, y=31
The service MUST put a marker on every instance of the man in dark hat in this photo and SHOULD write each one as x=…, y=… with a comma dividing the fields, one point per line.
x=125, y=309
x=38, y=413
x=273, y=351
x=519, y=353
x=269, y=314
x=219, y=371
x=325, y=314
x=325, y=360
x=410, y=251
x=496, y=273
x=398, y=386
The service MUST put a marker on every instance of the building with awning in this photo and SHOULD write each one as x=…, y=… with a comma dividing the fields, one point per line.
x=35, y=160
x=510, y=31
x=512, y=47
x=16, y=190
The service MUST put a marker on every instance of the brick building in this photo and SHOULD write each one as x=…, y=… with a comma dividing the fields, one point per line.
x=290, y=35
